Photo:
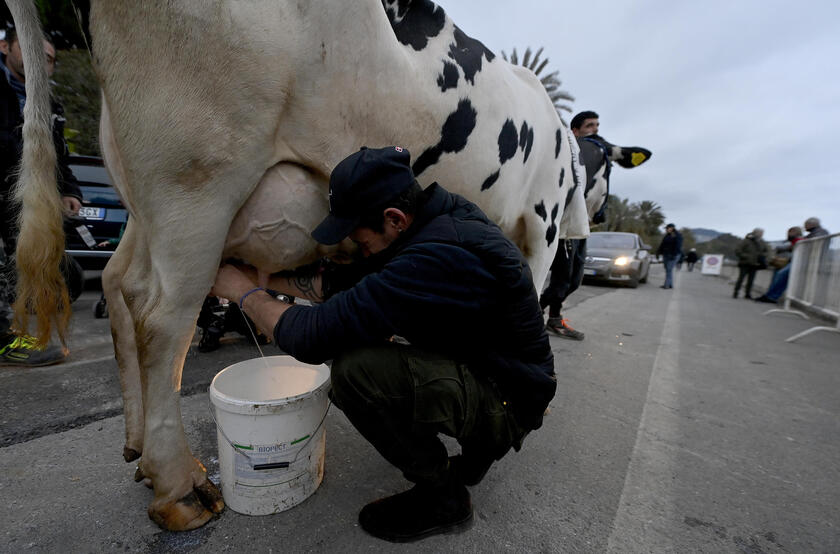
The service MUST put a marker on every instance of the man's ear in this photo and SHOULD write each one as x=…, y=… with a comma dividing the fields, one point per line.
x=4, y=47
x=395, y=217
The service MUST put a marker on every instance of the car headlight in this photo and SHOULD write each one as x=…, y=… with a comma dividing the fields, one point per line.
x=622, y=261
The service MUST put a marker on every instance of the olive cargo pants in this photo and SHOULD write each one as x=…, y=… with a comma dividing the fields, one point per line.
x=400, y=397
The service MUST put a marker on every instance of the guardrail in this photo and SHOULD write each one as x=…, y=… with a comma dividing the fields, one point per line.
x=814, y=283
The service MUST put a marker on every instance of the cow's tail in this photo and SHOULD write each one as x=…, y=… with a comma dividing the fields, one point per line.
x=41, y=290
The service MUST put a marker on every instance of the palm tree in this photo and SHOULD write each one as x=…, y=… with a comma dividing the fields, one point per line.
x=651, y=216
x=551, y=82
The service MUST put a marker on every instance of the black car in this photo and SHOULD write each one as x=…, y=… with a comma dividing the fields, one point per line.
x=101, y=217
x=617, y=258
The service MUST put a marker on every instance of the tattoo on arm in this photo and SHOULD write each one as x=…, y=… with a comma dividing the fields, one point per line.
x=308, y=286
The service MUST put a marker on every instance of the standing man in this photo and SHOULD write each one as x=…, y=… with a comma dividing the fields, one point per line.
x=670, y=249
x=752, y=256
x=16, y=349
x=409, y=362
x=567, y=267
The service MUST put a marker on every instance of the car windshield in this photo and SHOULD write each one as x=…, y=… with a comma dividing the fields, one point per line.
x=611, y=241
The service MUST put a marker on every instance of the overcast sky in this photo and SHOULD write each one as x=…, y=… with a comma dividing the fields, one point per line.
x=738, y=100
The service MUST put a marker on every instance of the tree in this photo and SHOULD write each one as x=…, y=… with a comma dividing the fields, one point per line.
x=551, y=82
x=643, y=218
x=689, y=241
x=722, y=244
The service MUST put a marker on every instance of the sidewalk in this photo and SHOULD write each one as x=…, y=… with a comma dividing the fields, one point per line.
x=683, y=423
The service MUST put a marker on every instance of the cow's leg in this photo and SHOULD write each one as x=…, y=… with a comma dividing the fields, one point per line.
x=125, y=347
x=169, y=275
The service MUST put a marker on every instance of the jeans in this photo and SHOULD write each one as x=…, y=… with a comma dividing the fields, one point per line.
x=779, y=284
x=670, y=263
x=400, y=397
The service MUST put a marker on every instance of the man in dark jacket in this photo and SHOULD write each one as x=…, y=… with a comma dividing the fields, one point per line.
x=752, y=255
x=670, y=249
x=18, y=349
x=409, y=362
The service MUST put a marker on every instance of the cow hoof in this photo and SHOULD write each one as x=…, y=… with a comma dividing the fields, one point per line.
x=129, y=454
x=140, y=476
x=210, y=496
x=183, y=515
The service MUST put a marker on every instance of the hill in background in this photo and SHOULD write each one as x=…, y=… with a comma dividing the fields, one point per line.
x=704, y=235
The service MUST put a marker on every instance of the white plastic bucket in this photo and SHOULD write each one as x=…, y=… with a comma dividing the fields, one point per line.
x=269, y=418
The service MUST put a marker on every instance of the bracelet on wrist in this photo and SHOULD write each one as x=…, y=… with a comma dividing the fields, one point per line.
x=244, y=296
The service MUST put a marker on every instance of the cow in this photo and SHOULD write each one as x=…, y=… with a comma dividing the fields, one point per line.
x=221, y=122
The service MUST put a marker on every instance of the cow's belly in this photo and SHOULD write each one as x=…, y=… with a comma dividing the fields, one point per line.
x=271, y=230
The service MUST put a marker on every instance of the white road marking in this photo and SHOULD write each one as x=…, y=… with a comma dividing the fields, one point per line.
x=645, y=507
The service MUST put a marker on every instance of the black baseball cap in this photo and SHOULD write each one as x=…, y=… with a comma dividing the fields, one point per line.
x=361, y=182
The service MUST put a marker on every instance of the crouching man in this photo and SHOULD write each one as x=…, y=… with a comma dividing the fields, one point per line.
x=436, y=330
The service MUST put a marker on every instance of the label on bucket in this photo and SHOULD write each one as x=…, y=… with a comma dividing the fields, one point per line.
x=267, y=455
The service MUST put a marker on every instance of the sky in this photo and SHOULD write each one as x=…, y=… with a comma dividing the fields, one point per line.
x=738, y=100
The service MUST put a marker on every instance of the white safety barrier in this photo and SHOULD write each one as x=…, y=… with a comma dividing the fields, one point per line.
x=814, y=282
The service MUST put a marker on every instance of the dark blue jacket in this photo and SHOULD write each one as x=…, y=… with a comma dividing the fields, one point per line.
x=671, y=245
x=452, y=284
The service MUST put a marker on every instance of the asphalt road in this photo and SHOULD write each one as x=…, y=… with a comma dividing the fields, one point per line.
x=683, y=423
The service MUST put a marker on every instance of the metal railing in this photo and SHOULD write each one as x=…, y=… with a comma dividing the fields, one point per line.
x=814, y=283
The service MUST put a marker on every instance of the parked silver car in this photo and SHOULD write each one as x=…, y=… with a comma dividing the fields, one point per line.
x=617, y=257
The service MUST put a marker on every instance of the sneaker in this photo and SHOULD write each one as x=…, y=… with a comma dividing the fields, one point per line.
x=24, y=351
x=419, y=512
x=561, y=328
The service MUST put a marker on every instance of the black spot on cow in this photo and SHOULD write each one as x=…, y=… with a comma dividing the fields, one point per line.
x=529, y=143
x=490, y=181
x=507, y=141
x=449, y=78
x=467, y=53
x=559, y=137
x=540, y=209
x=562, y=176
x=526, y=139
x=414, y=21
x=453, y=136
x=570, y=195
x=551, y=232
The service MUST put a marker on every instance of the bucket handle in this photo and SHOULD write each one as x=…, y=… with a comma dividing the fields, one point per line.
x=276, y=465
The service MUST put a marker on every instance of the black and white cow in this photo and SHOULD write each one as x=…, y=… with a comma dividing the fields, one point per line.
x=220, y=126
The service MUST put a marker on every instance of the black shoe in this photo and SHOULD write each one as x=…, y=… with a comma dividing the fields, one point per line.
x=561, y=328
x=419, y=512
x=470, y=467
x=209, y=339
x=763, y=298
x=734, y=295
x=748, y=297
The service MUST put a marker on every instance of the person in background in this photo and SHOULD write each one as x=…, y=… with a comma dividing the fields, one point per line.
x=752, y=256
x=780, y=279
x=670, y=250
x=691, y=259
x=17, y=349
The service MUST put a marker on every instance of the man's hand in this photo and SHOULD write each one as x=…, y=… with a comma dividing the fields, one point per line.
x=231, y=283
x=71, y=205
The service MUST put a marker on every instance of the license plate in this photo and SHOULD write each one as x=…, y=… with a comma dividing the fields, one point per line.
x=92, y=213
x=589, y=272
